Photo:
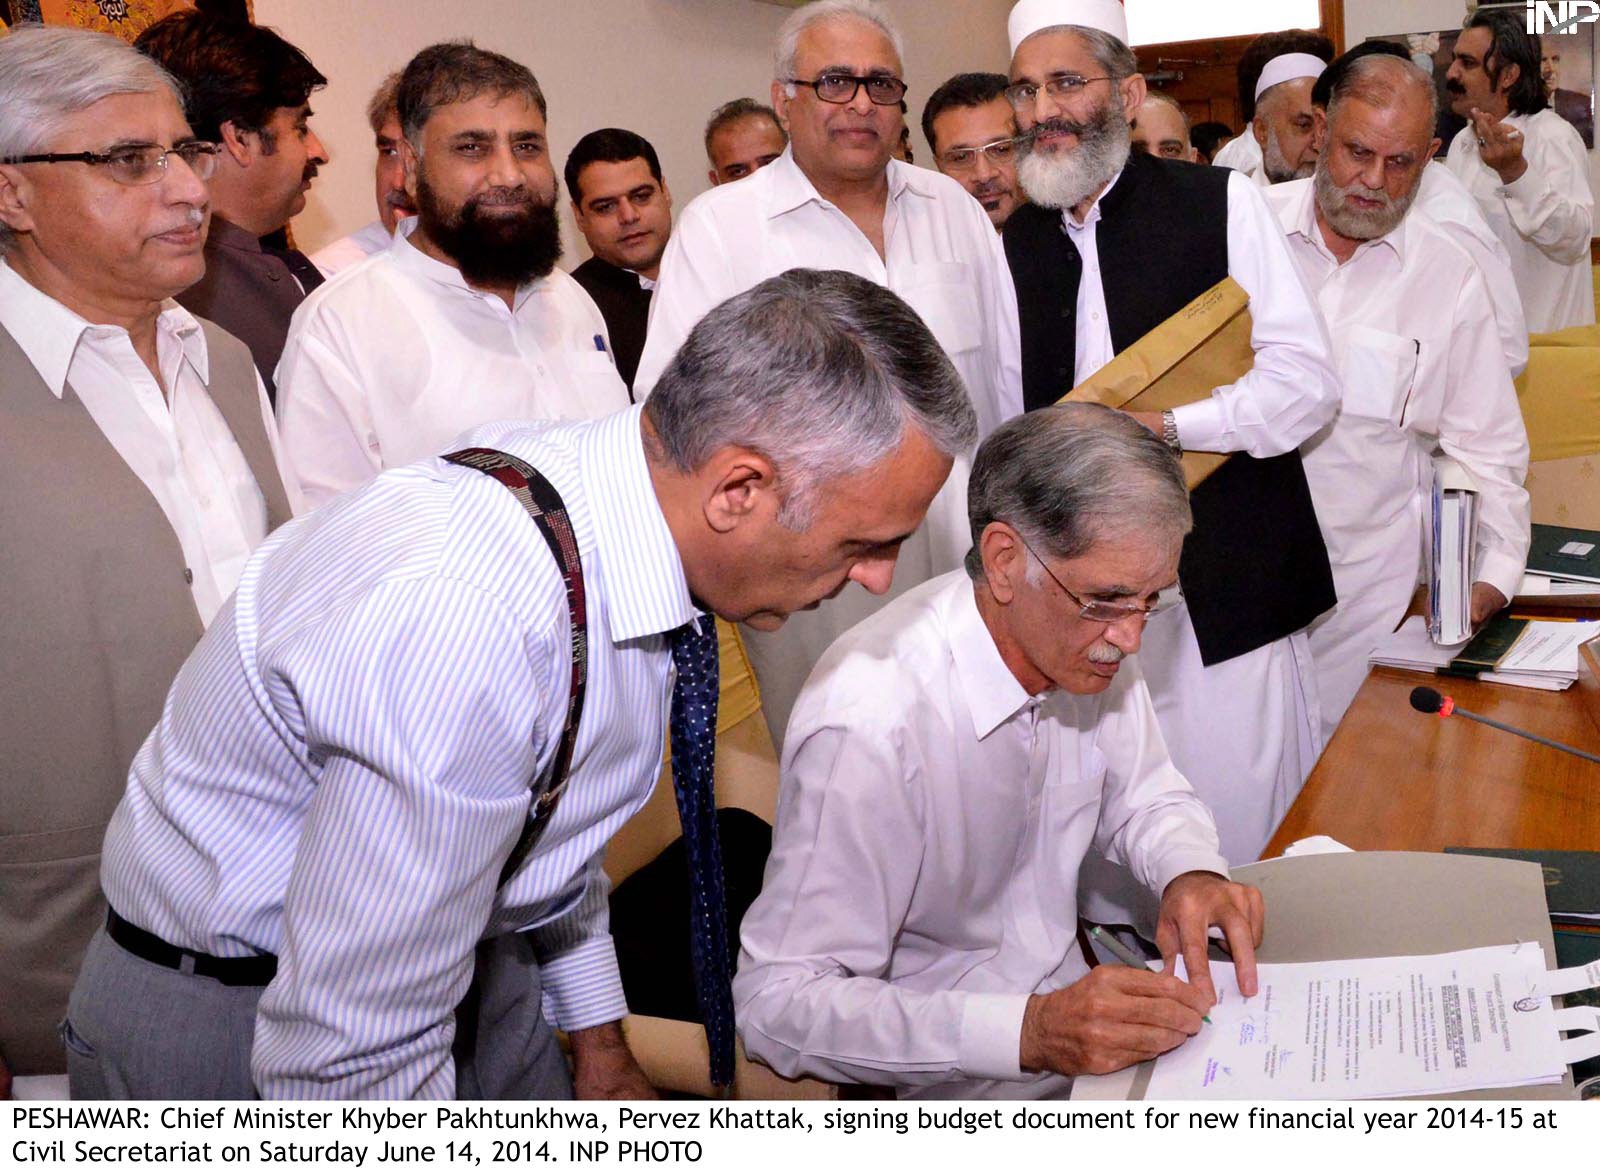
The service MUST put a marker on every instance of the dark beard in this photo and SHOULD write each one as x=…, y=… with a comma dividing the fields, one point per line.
x=492, y=250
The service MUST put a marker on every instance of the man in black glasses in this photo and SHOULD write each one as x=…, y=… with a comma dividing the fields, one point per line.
x=949, y=764
x=973, y=133
x=137, y=469
x=248, y=90
x=838, y=200
x=1115, y=243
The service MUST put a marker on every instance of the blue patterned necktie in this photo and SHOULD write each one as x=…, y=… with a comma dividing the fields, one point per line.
x=694, y=733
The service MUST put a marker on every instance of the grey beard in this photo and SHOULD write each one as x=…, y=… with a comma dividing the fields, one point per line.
x=1277, y=167
x=1068, y=178
x=1359, y=226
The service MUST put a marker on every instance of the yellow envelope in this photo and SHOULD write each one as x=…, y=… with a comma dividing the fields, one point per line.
x=1202, y=347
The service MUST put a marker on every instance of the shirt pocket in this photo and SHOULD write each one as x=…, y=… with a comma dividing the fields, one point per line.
x=945, y=295
x=1378, y=371
x=596, y=381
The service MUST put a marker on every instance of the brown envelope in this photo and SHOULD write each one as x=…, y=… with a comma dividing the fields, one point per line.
x=1202, y=347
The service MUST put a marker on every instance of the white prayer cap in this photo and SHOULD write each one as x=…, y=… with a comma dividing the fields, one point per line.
x=1029, y=16
x=1287, y=68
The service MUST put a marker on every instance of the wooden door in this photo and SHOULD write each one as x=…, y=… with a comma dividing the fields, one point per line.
x=1203, y=75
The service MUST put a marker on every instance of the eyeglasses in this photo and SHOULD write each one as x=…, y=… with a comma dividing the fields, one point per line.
x=137, y=164
x=999, y=152
x=1022, y=94
x=839, y=88
x=1101, y=611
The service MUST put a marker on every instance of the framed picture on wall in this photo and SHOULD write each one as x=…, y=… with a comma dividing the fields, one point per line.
x=1568, y=68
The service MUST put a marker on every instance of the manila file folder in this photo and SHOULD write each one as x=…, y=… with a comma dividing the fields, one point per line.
x=1204, y=346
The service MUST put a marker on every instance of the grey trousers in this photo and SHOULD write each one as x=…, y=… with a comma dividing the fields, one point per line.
x=135, y=1030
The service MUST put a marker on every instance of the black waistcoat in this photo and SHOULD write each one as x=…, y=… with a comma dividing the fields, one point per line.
x=1255, y=568
x=625, y=305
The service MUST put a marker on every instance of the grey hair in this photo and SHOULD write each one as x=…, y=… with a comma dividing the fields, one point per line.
x=385, y=102
x=1064, y=476
x=1378, y=79
x=821, y=371
x=49, y=74
x=788, y=51
x=1109, y=53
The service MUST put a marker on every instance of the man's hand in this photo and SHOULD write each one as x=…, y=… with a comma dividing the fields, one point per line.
x=1150, y=420
x=1198, y=900
x=1486, y=601
x=603, y=1065
x=1113, y=1017
x=1499, y=146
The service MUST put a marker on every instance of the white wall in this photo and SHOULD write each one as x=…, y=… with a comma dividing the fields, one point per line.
x=1370, y=18
x=658, y=67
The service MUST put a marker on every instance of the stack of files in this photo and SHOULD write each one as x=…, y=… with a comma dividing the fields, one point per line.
x=1562, y=562
x=1455, y=520
x=1571, y=881
x=1540, y=654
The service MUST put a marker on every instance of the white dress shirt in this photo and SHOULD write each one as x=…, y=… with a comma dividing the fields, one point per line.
x=941, y=254
x=348, y=251
x=1422, y=367
x=392, y=360
x=346, y=760
x=1244, y=155
x=177, y=443
x=1289, y=393
x=924, y=864
x=1544, y=220
x=1243, y=731
x=1445, y=200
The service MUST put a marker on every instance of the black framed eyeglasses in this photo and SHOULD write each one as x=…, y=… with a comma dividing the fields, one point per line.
x=1021, y=95
x=1102, y=611
x=136, y=164
x=999, y=153
x=839, y=88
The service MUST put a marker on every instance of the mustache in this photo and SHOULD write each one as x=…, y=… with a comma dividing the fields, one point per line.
x=309, y=174
x=501, y=198
x=1106, y=654
x=1056, y=126
x=1455, y=88
x=399, y=199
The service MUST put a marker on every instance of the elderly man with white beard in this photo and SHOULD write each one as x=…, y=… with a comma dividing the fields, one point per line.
x=1229, y=669
x=1413, y=324
x=1284, y=126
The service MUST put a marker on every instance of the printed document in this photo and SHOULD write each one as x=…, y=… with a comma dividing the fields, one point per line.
x=1374, y=1028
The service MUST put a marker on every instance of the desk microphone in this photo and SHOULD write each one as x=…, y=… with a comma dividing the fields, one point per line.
x=1431, y=702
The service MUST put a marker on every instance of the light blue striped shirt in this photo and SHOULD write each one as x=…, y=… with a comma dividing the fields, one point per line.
x=344, y=763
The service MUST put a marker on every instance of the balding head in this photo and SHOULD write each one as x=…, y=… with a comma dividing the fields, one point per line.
x=1160, y=128
x=1389, y=83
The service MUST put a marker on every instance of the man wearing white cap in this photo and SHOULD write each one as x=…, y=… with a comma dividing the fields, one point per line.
x=1229, y=669
x=1284, y=127
x=1244, y=153
x=837, y=199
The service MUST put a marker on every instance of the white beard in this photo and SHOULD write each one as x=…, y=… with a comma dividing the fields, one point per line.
x=1065, y=179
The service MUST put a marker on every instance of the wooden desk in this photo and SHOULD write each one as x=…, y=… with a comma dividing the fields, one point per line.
x=1393, y=778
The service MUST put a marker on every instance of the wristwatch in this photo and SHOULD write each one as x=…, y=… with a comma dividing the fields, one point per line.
x=1169, y=432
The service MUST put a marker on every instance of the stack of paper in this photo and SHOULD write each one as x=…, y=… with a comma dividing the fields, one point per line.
x=1546, y=656
x=1379, y=1028
x=1563, y=566
x=1455, y=520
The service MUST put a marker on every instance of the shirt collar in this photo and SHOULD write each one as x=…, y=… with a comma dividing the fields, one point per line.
x=49, y=332
x=1305, y=225
x=640, y=568
x=791, y=188
x=992, y=692
x=1094, y=214
x=226, y=235
x=431, y=269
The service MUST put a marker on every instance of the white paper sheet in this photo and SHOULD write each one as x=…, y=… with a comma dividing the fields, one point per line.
x=1404, y=1025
